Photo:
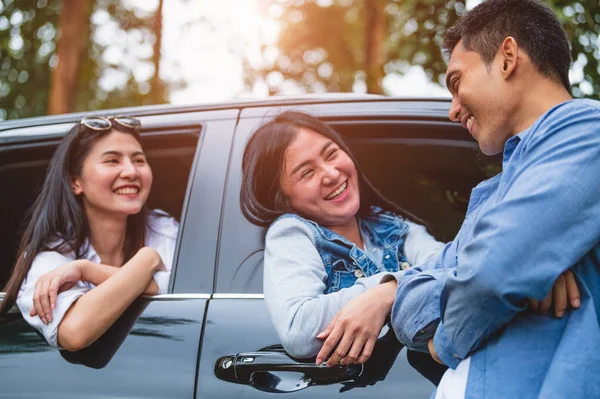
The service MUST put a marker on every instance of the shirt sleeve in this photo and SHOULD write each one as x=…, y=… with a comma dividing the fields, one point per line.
x=420, y=246
x=416, y=309
x=163, y=237
x=294, y=277
x=545, y=221
x=43, y=263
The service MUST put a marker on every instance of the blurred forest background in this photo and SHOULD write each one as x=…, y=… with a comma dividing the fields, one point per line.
x=59, y=56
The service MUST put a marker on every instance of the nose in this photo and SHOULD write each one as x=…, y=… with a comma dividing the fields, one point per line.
x=454, y=112
x=129, y=170
x=330, y=174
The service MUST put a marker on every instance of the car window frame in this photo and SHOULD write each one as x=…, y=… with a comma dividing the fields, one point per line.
x=364, y=113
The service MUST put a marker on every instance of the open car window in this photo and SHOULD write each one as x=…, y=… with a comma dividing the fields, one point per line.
x=425, y=167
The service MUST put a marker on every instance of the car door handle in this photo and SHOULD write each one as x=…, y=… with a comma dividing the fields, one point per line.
x=271, y=369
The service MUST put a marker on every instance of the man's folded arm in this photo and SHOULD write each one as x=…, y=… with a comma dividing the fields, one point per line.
x=416, y=310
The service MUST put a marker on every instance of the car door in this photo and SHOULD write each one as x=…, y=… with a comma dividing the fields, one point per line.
x=152, y=350
x=419, y=160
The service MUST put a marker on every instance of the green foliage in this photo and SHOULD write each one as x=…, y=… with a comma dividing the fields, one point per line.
x=27, y=44
x=28, y=39
x=581, y=20
x=136, y=32
x=321, y=48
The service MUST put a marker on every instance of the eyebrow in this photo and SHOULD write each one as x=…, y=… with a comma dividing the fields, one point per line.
x=120, y=154
x=303, y=164
x=449, y=77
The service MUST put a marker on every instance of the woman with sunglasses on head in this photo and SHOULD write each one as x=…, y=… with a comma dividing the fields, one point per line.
x=332, y=236
x=91, y=247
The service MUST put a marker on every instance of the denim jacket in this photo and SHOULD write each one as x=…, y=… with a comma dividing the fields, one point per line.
x=310, y=272
x=345, y=262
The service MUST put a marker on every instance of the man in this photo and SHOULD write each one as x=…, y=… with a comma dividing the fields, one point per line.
x=508, y=75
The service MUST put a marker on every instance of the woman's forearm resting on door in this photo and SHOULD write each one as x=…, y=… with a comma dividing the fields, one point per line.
x=94, y=312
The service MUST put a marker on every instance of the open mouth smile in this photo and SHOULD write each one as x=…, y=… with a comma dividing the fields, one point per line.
x=127, y=190
x=467, y=122
x=337, y=192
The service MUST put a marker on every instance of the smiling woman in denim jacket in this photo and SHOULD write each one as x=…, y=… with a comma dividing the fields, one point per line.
x=331, y=238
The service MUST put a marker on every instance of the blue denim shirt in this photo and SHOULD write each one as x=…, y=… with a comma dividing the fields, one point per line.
x=345, y=263
x=524, y=228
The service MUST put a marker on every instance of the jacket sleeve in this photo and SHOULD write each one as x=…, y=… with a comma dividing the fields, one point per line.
x=416, y=309
x=419, y=245
x=294, y=277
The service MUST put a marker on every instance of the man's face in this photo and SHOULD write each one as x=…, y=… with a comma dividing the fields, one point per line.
x=480, y=98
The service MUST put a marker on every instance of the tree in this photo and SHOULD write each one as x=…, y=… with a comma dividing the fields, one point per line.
x=376, y=31
x=157, y=87
x=333, y=47
x=31, y=31
x=73, y=21
x=27, y=46
x=581, y=20
x=120, y=58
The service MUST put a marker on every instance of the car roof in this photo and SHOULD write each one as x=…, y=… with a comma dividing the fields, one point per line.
x=232, y=104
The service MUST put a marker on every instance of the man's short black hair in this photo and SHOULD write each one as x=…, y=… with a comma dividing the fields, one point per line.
x=533, y=25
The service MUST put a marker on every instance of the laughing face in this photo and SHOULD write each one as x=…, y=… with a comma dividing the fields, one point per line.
x=320, y=180
x=115, y=177
x=481, y=100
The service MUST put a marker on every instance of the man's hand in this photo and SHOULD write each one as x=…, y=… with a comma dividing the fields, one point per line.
x=354, y=330
x=564, y=293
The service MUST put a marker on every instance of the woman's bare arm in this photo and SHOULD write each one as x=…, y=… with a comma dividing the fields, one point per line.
x=94, y=312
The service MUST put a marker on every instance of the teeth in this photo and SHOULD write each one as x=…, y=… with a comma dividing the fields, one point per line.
x=127, y=190
x=337, y=192
x=469, y=122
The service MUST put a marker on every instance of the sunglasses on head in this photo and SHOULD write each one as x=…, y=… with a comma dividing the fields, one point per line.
x=100, y=123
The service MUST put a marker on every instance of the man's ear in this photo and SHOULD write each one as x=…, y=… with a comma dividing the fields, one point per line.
x=76, y=186
x=509, y=56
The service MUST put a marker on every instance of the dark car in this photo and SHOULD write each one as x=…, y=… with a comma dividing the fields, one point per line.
x=210, y=336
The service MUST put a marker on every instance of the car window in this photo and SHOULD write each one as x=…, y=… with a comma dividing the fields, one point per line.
x=23, y=167
x=427, y=168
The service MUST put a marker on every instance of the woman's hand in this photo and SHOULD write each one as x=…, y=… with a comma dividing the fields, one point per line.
x=354, y=330
x=50, y=284
x=565, y=292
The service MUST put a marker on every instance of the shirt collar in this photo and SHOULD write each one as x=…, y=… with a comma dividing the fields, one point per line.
x=509, y=147
x=513, y=142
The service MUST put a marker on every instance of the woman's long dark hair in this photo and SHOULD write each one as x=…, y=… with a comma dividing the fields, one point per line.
x=57, y=219
x=261, y=198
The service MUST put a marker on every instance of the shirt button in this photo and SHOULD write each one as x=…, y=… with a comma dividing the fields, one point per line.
x=387, y=256
x=359, y=273
x=404, y=265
